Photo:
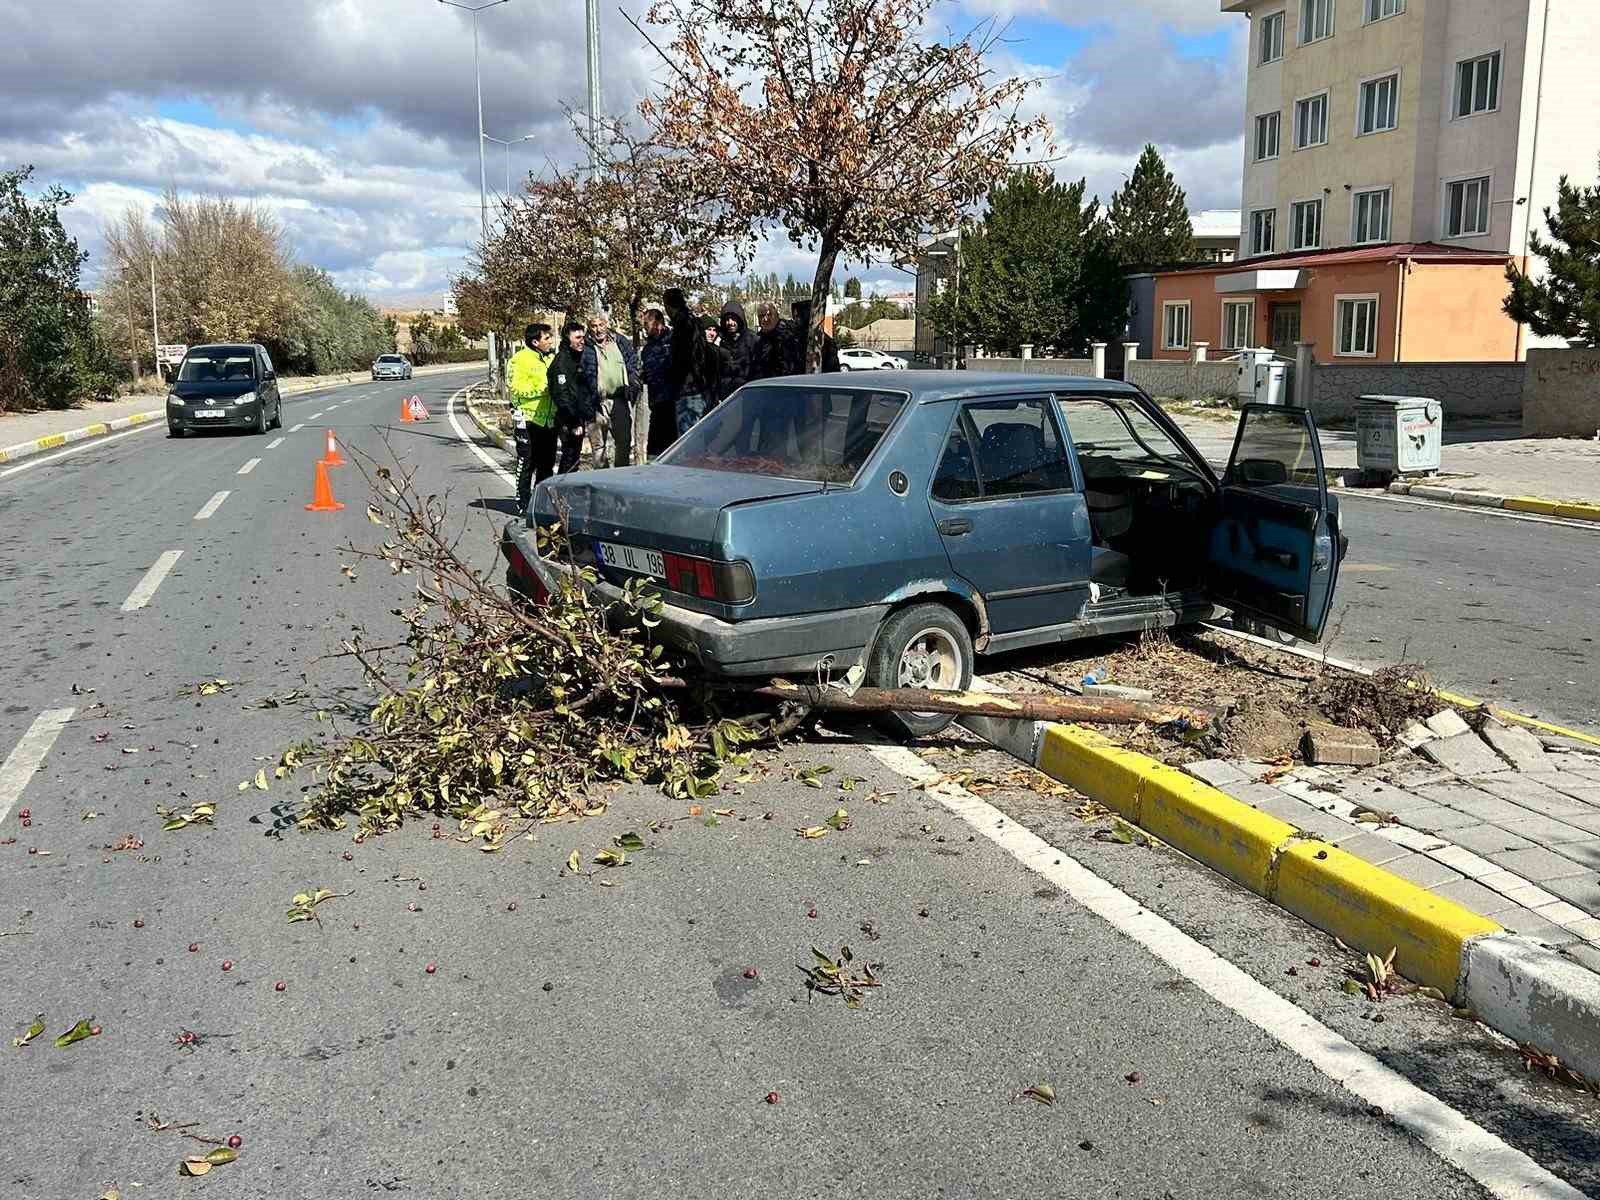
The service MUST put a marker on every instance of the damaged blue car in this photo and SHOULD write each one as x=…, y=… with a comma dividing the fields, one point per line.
x=909, y=521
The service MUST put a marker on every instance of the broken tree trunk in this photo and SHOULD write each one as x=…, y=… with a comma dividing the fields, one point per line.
x=1015, y=706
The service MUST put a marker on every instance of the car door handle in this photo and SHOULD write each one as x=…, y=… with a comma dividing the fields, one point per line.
x=955, y=526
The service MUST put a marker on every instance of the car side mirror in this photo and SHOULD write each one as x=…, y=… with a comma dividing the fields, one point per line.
x=1260, y=472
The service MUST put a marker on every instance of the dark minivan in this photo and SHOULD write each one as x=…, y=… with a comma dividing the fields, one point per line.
x=225, y=387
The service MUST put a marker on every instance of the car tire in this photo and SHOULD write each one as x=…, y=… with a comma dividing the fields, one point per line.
x=260, y=427
x=277, y=416
x=926, y=645
x=174, y=431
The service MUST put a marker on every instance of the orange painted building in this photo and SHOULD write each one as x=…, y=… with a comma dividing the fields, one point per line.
x=1415, y=302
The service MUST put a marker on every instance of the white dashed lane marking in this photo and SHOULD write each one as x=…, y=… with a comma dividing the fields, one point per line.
x=22, y=762
x=211, y=506
x=152, y=580
x=249, y=466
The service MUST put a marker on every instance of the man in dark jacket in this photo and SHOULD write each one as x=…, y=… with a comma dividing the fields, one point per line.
x=692, y=368
x=611, y=381
x=736, y=346
x=655, y=366
x=565, y=378
x=774, y=349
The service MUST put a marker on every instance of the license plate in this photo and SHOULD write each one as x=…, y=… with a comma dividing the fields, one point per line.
x=632, y=558
x=211, y=412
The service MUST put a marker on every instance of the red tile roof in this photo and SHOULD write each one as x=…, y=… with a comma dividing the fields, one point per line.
x=1423, y=251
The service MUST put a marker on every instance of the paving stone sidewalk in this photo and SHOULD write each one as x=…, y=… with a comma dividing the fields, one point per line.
x=1498, y=820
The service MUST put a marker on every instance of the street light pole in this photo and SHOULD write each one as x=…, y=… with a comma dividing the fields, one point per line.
x=591, y=14
x=483, y=176
x=508, y=143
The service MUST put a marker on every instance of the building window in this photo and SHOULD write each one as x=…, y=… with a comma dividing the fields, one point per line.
x=1467, y=207
x=1371, y=223
x=1380, y=105
x=1316, y=20
x=1311, y=121
x=1478, y=85
x=1306, y=218
x=1377, y=10
x=1272, y=37
x=1267, y=126
x=1356, y=322
x=1264, y=231
x=1238, y=324
x=1175, y=325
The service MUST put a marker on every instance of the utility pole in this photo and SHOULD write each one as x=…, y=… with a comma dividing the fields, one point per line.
x=155, y=329
x=133, y=349
x=591, y=14
x=483, y=175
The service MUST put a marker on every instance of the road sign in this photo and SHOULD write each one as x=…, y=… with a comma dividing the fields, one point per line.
x=171, y=355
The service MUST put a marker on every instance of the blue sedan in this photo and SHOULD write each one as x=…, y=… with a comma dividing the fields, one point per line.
x=912, y=520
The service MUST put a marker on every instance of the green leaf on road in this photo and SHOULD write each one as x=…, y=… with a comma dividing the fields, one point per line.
x=629, y=841
x=34, y=1031
x=574, y=863
x=611, y=858
x=839, y=820
x=812, y=776
x=76, y=1034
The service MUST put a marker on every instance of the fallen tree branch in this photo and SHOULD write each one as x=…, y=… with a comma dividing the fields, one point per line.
x=1016, y=706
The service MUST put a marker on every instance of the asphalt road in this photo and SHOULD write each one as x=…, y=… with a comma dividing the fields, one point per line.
x=577, y=1039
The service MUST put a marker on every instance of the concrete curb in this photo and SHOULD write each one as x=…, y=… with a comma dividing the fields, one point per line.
x=489, y=431
x=1516, y=986
x=1571, y=510
x=55, y=441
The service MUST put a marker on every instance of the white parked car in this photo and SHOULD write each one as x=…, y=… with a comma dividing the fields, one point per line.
x=869, y=360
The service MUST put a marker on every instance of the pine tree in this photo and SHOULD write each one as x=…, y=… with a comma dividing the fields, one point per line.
x=852, y=288
x=1149, y=216
x=1566, y=301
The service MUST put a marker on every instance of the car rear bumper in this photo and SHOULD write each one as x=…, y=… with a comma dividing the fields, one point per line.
x=763, y=646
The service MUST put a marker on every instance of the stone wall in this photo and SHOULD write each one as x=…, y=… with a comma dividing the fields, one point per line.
x=1034, y=366
x=1562, y=396
x=1167, y=379
x=1465, y=390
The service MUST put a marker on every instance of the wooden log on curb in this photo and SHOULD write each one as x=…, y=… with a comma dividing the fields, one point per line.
x=1016, y=706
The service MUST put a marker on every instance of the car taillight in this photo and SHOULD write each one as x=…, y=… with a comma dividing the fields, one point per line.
x=529, y=579
x=729, y=583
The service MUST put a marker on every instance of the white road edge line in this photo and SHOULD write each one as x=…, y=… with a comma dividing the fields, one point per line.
x=211, y=506
x=450, y=411
x=297, y=429
x=23, y=761
x=1503, y=1170
x=91, y=444
x=140, y=595
x=274, y=443
x=249, y=466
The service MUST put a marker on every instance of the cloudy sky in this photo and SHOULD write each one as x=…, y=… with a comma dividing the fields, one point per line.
x=354, y=120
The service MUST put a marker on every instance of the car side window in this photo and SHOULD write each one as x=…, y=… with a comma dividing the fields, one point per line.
x=1019, y=451
x=266, y=364
x=957, y=477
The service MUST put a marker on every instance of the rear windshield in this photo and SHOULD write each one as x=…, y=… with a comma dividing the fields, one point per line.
x=217, y=366
x=822, y=434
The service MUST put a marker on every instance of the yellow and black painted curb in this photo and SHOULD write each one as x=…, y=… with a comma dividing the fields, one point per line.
x=1570, y=510
x=98, y=429
x=1518, y=987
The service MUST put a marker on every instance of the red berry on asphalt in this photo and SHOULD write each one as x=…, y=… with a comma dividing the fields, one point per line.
x=812, y=913
x=26, y=813
x=749, y=972
x=430, y=968
x=94, y=1031
x=512, y=907
x=412, y=906
x=138, y=922
x=279, y=986
x=1313, y=962
x=235, y=1142
x=227, y=964
x=27, y=822
x=773, y=1097
x=193, y=946
x=347, y=856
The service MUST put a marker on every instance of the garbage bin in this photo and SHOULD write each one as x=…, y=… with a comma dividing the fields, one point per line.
x=1398, y=435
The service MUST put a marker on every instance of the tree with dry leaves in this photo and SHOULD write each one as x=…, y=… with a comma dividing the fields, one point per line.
x=842, y=122
x=621, y=231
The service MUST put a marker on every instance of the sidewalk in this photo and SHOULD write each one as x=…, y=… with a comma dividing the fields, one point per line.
x=1478, y=457
x=19, y=432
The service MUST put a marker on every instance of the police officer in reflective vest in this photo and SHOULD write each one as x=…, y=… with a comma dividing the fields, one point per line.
x=533, y=410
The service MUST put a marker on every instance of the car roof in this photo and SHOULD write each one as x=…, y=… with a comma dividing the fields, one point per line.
x=931, y=386
x=226, y=347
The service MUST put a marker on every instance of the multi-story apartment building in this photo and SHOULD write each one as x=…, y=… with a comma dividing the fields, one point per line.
x=1371, y=121
x=1436, y=127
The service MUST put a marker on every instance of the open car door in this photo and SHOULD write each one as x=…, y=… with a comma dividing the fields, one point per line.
x=1275, y=543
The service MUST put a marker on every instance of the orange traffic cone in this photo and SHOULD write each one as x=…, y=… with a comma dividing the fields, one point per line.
x=322, y=498
x=332, y=456
x=405, y=411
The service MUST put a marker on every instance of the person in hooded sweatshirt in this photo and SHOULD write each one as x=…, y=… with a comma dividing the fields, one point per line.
x=692, y=364
x=737, y=347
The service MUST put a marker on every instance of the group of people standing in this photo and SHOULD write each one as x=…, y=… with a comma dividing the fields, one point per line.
x=586, y=384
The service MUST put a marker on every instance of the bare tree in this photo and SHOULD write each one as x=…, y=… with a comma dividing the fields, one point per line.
x=839, y=121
